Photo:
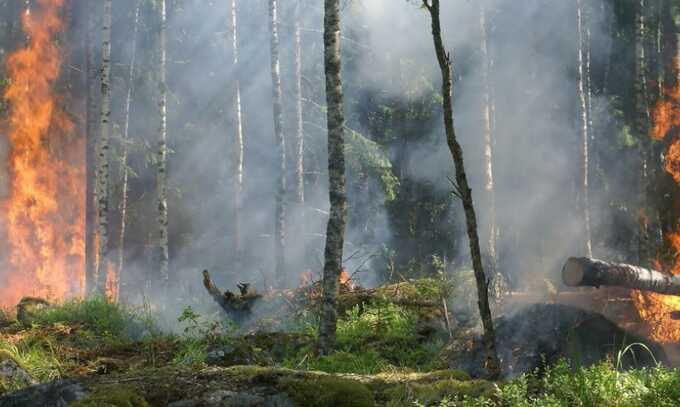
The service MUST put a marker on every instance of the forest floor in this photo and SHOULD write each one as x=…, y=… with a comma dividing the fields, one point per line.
x=94, y=353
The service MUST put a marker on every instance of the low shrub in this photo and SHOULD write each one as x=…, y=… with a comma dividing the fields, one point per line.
x=100, y=316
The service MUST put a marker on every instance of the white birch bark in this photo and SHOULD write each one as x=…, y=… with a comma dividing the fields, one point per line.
x=583, y=125
x=102, y=181
x=280, y=206
x=161, y=161
x=125, y=148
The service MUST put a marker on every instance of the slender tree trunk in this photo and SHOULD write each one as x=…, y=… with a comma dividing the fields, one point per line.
x=299, y=122
x=463, y=190
x=642, y=129
x=125, y=148
x=103, y=154
x=669, y=46
x=583, y=124
x=162, y=159
x=91, y=127
x=237, y=159
x=488, y=141
x=337, y=221
x=280, y=207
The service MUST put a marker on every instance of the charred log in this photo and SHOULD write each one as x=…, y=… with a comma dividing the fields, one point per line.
x=583, y=271
x=238, y=306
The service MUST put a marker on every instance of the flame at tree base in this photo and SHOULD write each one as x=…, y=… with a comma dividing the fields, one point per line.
x=43, y=217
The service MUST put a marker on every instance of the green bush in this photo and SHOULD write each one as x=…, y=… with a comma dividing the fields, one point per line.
x=38, y=358
x=601, y=385
x=370, y=339
x=191, y=351
x=99, y=315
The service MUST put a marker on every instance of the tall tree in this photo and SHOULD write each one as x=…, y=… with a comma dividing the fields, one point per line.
x=488, y=137
x=280, y=142
x=669, y=46
x=299, y=121
x=337, y=221
x=162, y=159
x=584, y=127
x=125, y=149
x=91, y=125
x=103, y=154
x=237, y=158
x=642, y=131
x=462, y=189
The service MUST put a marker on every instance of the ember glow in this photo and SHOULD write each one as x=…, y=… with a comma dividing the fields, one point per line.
x=44, y=214
x=654, y=308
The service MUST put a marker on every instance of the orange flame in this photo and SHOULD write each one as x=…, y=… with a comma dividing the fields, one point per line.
x=654, y=308
x=346, y=279
x=44, y=213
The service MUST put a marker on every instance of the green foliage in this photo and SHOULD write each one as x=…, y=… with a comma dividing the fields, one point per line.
x=38, y=357
x=102, y=317
x=599, y=385
x=328, y=391
x=191, y=351
x=365, y=155
x=118, y=396
x=372, y=338
x=198, y=333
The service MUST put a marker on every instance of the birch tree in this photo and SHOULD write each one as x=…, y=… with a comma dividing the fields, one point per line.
x=103, y=154
x=162, y=158
x=462, y=189
x=91, y=125
x=337, y=221
x=584, y=127
x=299, y=121
x=125, y=148
x=237, y=158
x=488, y=137
x=280, y=143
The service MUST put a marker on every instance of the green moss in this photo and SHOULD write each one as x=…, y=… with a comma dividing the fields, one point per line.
x=118, y=396
x=433, y=393
x=447, y=375
x=327, y=391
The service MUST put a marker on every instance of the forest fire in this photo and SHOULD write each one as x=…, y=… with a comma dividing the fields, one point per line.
x=657, y=309
x=44, y=212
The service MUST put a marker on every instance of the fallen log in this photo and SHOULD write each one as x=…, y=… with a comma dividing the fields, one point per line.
x=583, y=271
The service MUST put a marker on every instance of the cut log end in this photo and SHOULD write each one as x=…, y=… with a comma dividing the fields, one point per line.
x=588, y=272
x=573, y=272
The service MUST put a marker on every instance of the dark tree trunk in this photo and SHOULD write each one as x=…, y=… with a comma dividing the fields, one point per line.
x=463, y=190
x=642, y=131
x=337, y=221
x=584, y=271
